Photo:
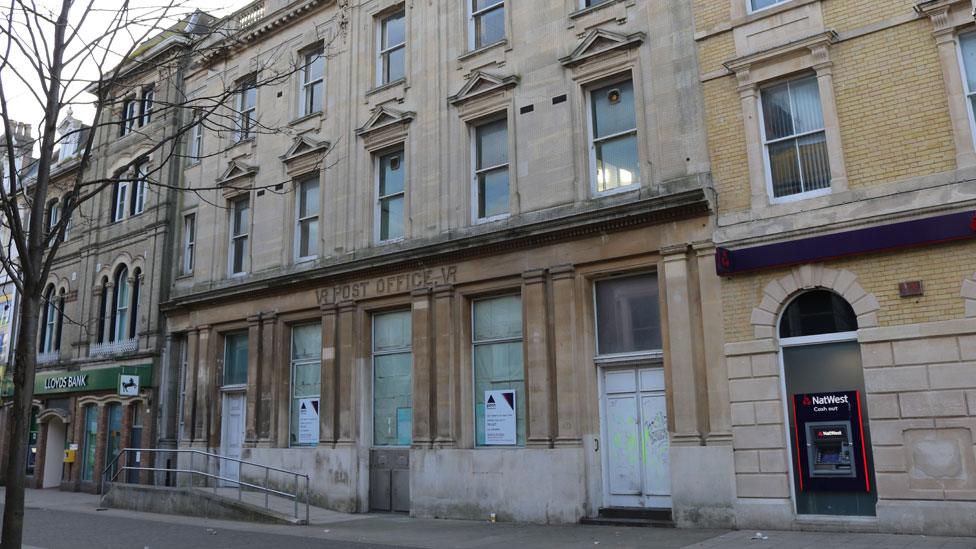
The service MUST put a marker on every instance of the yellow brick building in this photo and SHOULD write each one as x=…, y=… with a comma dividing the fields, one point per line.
x=841, y=145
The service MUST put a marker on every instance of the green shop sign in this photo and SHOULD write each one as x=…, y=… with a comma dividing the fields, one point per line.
x=100, y=379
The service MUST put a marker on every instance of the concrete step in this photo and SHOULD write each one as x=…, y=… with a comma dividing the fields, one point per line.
x=632, y=516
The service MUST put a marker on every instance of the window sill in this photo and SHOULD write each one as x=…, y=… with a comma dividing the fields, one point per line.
x=586, y=11
x=193, y=164
x=619, y=190
x=387, y=86
x=492, y=219
x=390, y=241
x=799, y=196
x=185, y=276
x=627, y=358
x=475, y=53
x=306, y=117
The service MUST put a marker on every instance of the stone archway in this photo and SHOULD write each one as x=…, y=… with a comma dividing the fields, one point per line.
x=778, y=293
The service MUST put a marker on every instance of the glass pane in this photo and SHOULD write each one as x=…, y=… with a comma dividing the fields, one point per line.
x=784, y=168
x=499, y=366
x=492, y=144
x=616, y=163
x=306, y=342
x=613, y=109
x=314, y=98
x=91, y=435
x=814, y=162
x=309, y=198
x=314, y=66
x=628, y=315
x=308, y=237
x=805, y=96
x=235, y=359
x=239, y=249
x=307, y=376
x=493, y=193
x=967, y=42
x=392, y=399
x=817, y=312
x=777, y=119
x=240, y=217
x=478, y=5
x=391, y=331
x=391, y=173
x=489, y=27
x=760, y=4
x=394, y=31
x=394, y=64
x=391, y=218
x=498, y=318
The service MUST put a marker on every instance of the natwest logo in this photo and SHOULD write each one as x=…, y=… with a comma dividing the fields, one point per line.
x=829, y=399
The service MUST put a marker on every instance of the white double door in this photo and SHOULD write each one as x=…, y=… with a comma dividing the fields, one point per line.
x=232, y=437
x=636, y=463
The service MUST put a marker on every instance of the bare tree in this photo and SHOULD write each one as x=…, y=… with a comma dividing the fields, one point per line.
x=62, y=55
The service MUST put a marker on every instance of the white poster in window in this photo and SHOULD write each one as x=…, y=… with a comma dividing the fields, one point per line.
x=500, y=427
x=308, y=421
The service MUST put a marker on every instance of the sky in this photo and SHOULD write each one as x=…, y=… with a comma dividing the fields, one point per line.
x=22, y=103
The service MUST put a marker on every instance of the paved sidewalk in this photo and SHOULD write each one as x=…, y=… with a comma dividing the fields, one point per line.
x=72, y=521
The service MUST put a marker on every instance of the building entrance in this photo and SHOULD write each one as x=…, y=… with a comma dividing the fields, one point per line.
x=833, y=467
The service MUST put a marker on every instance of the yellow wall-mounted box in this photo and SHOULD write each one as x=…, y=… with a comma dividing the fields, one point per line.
x=69, y=456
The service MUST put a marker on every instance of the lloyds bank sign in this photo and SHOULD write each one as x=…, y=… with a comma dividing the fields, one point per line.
x=97, y=379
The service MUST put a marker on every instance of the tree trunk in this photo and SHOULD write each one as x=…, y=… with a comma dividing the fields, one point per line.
x=25, y=359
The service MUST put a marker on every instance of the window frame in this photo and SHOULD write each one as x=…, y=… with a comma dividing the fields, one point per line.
x=127, y=124
x=245, y=236
x=383, y=51
x=650, y=354
x=146, y=103
x=52, y=321
x=476, y=172
x=189, y=243
x=750, y=10
x=764, y=143
x=591, y=140
x=474, y=14
x=292, y=363
x=372, y=382
x=196, y=142
x=378, y=203
x=245, y=112
x=120, y=304
x=969, y=95
x=140, y=190
x=473, y=344
x=307, y=87
x=223, y=370
x=299, y=221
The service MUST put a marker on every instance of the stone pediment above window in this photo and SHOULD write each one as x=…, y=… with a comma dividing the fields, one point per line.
x=481, y=84
x=236, y=177
x=386, y=126
x=600, y=42
x=305, y=153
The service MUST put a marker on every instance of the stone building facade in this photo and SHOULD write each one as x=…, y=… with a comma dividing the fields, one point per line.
x=100, y=319
x=457, y=263
x=841, y=146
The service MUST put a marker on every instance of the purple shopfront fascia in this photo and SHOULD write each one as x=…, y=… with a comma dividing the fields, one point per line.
x=906, y=234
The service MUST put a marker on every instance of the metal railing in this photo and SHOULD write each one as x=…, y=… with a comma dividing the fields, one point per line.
x=47, y=358
x=113, y=347
x=112, y=472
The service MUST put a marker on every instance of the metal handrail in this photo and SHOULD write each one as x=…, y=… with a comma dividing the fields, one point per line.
x=266, y=489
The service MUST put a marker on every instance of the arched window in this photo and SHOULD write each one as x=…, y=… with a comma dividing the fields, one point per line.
x=120, y=304
x=816, y=313
x=104, y=322
x=51, y=321
x=134, y=313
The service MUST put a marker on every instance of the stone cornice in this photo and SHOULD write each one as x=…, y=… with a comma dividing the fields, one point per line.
x=546, y=228
x=811, y=43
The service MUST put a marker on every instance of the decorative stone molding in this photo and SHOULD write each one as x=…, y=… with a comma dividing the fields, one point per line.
x=598, y=42
x=968, y=293
x=237, y=177
x=385, y=127
x=305, y=154
x=480, y=84
x=778, y=293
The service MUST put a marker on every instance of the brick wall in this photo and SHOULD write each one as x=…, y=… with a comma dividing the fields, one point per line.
x=844, y=15
x=941, y=269
x=892, y=106
x=726, y=145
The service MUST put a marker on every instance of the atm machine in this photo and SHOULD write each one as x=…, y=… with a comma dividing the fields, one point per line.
x=830, y=455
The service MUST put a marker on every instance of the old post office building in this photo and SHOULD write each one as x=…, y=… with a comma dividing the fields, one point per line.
x=459, y=263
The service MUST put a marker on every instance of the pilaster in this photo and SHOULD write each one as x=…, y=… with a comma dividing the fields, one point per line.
x=564, y=353
x=328, y=401
x=445, y=367
x=346, y=395
x=422, y=367
x=681, y=351
x=538, y=376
